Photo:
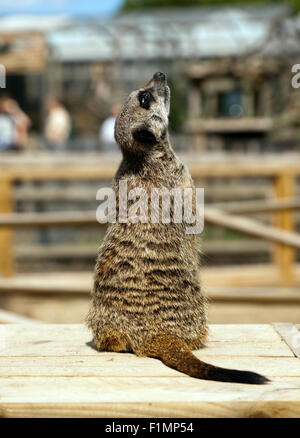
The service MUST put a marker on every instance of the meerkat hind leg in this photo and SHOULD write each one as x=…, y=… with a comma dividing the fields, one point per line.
x=112, y=341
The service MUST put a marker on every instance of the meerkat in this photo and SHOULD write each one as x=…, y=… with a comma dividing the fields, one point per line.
x=146, y=297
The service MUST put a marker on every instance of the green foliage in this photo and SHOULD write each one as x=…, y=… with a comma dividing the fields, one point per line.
x=178, y=104
x=130, y=5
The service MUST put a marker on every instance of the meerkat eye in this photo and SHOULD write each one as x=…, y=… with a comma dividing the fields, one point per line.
x=145, y=99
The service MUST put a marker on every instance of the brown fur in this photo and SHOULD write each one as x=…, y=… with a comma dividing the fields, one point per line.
x=146, y=297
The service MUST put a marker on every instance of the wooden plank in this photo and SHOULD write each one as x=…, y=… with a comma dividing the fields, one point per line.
x=224, y=125
x=129, y=365
x=284, y=255
x=48, y=284
x=243, y=333
x=62, y=219
x=290, y=334
x=146, y=397
x=252, y=294
x=46, y=347
x=257, y=349
x=274, y=409
x=74, y=339
x=251, y=227
x=254, y=275
x=236, y=166
x=225, y=312
x=13, y=318
x=260, y=206
x=68, y=173
x=6, y=234
x=57, y=251
x=55, y=193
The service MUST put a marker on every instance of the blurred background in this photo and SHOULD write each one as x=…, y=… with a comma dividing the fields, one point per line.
x=65, y=68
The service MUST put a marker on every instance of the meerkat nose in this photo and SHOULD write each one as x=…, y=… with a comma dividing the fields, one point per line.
x=159, y=77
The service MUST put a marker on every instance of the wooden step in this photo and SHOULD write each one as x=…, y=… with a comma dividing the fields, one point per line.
x=54, y=372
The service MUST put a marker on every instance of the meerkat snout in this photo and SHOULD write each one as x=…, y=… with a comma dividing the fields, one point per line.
x=160, y=82
x=144, y=135
x=147, y=109
x=158, y=76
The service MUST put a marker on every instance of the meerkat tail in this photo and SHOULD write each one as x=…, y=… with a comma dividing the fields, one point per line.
x=174, y=353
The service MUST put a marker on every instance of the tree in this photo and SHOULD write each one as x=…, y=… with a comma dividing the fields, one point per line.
x=130, y=5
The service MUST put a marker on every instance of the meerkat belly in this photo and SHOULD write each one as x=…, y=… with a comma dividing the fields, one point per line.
x=148, y=284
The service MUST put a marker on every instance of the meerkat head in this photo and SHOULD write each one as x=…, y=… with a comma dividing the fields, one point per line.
x=143, y=119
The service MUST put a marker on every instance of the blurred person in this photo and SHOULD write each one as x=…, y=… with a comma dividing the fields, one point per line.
x=22, y=122
x=107, y=131
x=57, y=125
x=7, y=126
x=14, y=125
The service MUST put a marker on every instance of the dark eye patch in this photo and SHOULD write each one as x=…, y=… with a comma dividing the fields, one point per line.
x=145, y=98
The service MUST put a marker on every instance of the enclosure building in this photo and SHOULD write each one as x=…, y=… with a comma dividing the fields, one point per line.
x=229, y=69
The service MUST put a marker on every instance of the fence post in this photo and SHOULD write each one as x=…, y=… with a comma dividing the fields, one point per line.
x=283, y=255
x=6, y=234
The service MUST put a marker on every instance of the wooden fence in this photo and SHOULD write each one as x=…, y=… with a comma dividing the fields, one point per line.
x=282, y=176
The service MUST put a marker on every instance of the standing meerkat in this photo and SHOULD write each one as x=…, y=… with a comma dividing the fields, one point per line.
x=147, y=297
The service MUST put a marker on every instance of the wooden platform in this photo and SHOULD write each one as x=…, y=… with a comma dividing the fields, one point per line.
x=51, y=370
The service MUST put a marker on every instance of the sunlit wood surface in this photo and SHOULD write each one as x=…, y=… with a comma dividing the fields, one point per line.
x=51, y=370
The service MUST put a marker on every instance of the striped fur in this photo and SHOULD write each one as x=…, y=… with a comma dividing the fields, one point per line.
x=146, y=297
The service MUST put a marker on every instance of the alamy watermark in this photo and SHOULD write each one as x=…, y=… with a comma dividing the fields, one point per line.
x=2, y=76
x=295, y=82
x=177, y=205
